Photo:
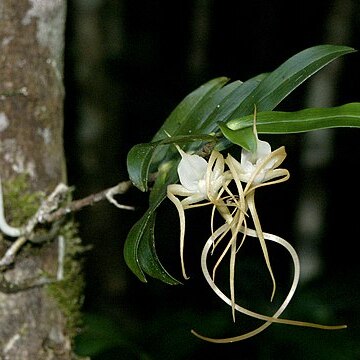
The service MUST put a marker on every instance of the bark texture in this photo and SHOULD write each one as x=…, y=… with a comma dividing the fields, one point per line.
x=33, y=323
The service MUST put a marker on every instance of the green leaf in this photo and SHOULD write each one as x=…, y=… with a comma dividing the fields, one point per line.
x=243, y=137
x=288, y=76
x=217, y=106
x=131, y=245
x=225, y=109
x=180, y=116
x=198, y=116
x=180, y=122
x=202, y=110
x=140, y=156
x=139, y=248
x=148, y=258
x=280, y=122
x=167, y=174
x=138, y=163
x=140, y=254
x=279, y=84
x=190, y=122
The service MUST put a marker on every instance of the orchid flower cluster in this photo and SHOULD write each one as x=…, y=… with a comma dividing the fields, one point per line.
x=229, y=187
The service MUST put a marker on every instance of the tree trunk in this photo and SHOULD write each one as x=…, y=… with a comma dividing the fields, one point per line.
x=36, y=322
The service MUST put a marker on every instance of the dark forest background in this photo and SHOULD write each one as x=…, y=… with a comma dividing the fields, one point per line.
x=127, y=65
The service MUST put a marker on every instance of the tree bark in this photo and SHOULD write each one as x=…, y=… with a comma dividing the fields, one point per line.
x=36, y=322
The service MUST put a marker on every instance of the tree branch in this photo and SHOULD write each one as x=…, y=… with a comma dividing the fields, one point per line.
x=77, y=205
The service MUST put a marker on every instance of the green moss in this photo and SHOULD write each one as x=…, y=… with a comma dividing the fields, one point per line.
x=68, y=292
x=17, y=191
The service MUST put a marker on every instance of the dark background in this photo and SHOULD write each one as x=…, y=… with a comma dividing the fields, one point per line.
x=127, y=65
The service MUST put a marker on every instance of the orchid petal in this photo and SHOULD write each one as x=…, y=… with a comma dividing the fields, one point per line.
x=191, y=170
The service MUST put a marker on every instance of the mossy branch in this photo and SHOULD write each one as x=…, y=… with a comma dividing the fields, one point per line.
x=50, y=211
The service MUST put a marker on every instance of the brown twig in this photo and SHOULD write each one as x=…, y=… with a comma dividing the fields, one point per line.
x=77, y=205
x=49, y=212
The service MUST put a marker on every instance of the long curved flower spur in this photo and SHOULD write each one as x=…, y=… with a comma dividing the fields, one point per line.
x=268, y=319
x=255, y=170
x=200, y=183
x=207, y=183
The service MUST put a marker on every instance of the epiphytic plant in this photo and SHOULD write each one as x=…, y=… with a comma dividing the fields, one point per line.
x=210, y=182
x=213, y=118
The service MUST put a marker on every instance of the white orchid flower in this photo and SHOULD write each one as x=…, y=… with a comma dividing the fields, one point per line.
x=212, y=183
x=192, y=171
x=250, y=161
x=199, y=181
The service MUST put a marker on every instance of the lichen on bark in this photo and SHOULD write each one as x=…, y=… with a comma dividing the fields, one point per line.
x=34, y=323
x=31, y=93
